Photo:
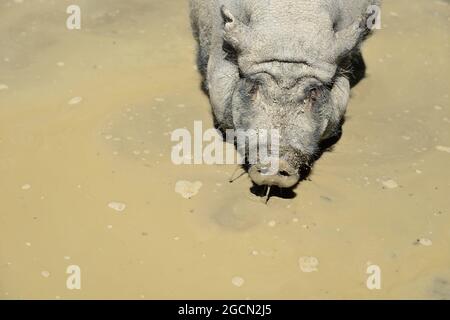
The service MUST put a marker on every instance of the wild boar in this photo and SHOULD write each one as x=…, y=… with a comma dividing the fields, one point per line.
x=281, y=64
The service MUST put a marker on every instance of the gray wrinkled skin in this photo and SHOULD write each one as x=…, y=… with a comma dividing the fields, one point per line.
x=278, y=64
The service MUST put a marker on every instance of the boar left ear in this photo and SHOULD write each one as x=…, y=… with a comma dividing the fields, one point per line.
x=235, y=32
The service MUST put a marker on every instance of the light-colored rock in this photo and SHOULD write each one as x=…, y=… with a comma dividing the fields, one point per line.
x=187, y=189
x=237, y=281
x=118, y=206
x=443, y=148
x=75, y=100
x=45, y=274
x=425, y=242
x=390, y=184
x=308, y=264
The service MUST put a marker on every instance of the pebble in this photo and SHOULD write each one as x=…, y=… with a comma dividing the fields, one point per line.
x=425, y=242
x=443, y=149
x=272, y=223
x=45, y=274
x=390, y=184
x=187, y=189
x=75, y=100
x=26, y=187
x=118, y=206
x=3, y=86
x=60, y=64
x=308, y=263
x=237, y=281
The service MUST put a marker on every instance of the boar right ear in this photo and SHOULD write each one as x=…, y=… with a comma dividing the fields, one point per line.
x=227, y=16
x=235, y=32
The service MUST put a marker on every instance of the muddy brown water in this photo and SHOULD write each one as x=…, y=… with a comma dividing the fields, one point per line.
x=381, y=197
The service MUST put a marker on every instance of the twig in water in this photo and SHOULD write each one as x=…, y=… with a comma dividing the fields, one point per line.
x=269, y=188
x=232, y=178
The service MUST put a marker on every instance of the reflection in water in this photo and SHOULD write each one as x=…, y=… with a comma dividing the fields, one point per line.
x=85, y=122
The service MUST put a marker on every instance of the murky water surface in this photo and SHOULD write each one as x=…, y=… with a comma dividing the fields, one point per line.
x=87, y=180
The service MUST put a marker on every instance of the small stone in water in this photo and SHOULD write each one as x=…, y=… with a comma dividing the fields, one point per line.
x=45, y=274
x=425, y=242
x=272, y=223
x=308, y=264
x=187, y=189
x=75, y=100
x=237, y=281
x=118, y=206
x=3, y=86
x=390, y=184
x=443, y=149
x=26, y=187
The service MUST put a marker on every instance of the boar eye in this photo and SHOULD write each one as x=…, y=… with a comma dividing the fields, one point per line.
x=251, y=88
x=313, y=94
x=254, y=88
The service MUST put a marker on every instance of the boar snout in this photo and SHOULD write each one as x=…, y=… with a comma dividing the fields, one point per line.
x=285, y=177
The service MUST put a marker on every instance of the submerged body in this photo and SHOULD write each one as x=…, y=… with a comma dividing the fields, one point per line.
x=284, y=65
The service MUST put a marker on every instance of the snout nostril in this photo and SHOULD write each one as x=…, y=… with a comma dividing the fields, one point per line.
x=284, y=173
x=264, y=170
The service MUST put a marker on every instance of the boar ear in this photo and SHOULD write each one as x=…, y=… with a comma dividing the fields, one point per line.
x=235, y=32
x=347, y=39
x=227, y=16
